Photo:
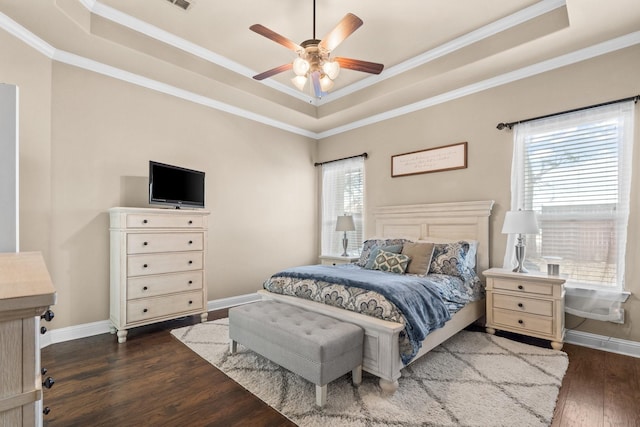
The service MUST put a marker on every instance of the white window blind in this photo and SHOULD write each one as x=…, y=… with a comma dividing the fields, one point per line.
x=342, y=194
x=574, y=170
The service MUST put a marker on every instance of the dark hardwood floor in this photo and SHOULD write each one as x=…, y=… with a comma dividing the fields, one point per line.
x=154, y=380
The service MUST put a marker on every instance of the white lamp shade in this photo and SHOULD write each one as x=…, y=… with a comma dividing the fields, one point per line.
x=299, y=82
x=300, y=66
x=345, y=223
x=520, y=222
x=326, y=84
x=331, y=69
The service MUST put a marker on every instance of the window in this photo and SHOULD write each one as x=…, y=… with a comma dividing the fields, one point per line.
x=574, y=171
x=342, y=194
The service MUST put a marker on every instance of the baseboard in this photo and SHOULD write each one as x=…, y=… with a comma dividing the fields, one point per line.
x=601, y=342
x=54, y=336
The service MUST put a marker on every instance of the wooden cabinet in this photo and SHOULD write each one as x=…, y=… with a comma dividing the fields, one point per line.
x=337, y=260
x=526, y=303
x=157, y=266
x=26, y=292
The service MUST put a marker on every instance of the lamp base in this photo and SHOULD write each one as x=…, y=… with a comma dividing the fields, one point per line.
x=345, y=244
x=520, y=253
x=520, y=269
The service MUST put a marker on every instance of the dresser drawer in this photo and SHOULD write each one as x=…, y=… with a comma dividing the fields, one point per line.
x=146, y=243
x=164, y=221
x=142, y=265
x=149, y=308
x=523, y=286
x=526, y=322
x=525, y=305
x=148, y=286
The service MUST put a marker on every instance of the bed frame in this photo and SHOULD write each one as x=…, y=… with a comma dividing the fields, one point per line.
x=463, y=220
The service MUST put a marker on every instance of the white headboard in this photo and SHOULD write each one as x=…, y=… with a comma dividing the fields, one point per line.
x=459, y=220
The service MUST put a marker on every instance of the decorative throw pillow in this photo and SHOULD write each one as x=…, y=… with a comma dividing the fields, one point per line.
x=370, y=244
x=450, y=258
x=420, y=254
x=390, y=262
x=396, y=249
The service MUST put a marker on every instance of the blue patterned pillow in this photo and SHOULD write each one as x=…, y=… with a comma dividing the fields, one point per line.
x=369, y=245
x=450, y=259
x=390, y=262
x=396, y=249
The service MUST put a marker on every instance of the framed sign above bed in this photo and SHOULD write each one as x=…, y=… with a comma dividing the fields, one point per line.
x=445, y=158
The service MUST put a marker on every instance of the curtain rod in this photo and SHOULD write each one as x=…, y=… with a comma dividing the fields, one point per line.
x=365, y=155
x=512, y=124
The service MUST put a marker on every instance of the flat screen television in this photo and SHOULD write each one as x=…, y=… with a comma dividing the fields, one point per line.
x=175, y=186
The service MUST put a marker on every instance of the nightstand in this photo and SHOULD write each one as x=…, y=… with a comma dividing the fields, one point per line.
x=526, y=303
x=337, y=260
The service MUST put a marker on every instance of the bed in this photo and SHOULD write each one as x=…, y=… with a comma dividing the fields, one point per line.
x=461, y=221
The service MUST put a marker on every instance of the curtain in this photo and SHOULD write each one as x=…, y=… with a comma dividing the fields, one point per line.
x=342, y=194
x=574, y=171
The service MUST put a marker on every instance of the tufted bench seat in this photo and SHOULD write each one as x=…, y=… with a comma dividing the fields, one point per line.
x=316, y=347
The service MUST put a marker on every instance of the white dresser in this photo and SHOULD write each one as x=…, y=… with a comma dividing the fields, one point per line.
x=26, y=292
x=157, y=266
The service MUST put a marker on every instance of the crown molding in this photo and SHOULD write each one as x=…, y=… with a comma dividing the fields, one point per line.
x=46, y=49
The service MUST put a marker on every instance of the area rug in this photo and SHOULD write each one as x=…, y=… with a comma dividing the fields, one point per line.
x=473, y=379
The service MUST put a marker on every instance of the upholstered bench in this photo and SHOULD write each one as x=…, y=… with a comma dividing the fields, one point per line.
x=316, y=347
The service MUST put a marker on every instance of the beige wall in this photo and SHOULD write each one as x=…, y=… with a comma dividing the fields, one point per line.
x=473, y=119
x=86, y=140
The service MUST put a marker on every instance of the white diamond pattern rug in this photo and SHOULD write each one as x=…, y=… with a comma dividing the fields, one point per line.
x=473, y=379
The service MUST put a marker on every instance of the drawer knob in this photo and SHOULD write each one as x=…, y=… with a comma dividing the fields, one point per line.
x=43, y=330
x=144, y=310
x=190, y=302
x=144, y=221
x=144, y=265
x=49, y=382
x=190, y=282
x=190, y=222
x=43, y=371
x=190, y=262
x=520, y=287
x=144, y=288
x=191, y=242
x=520, y=305
x=520, y=321
x=48, y=315
x=46, y=410
x=145, y=243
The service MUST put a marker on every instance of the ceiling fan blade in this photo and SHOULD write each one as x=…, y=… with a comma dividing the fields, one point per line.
x=358, y=65
x=344, y=29
x=272, y=35
x=273, y=71
x=315, y=79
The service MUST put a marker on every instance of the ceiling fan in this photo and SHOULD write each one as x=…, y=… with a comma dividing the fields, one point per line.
x=314, y=56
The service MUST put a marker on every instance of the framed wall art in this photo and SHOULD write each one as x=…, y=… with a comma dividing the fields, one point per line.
x=438, y=159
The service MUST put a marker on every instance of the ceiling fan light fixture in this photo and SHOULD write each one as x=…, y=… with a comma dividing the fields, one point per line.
x=331, y=69
x=326, y=83
x=299, y=82
x=300, y=66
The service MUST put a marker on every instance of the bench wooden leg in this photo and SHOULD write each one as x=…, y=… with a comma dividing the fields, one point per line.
x=356, y=375
x=321, y=395
x=233, y=346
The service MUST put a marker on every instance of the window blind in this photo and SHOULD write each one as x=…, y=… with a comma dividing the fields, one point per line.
x=574, y=170
x=342, y=194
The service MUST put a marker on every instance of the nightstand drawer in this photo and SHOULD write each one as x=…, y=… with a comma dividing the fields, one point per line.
x=522, y=286
x=526, y=322
x=525, y=305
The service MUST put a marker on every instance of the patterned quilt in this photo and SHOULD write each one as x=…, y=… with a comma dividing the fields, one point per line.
x=420, y=303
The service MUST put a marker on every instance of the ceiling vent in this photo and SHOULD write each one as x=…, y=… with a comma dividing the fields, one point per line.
x=182, y=4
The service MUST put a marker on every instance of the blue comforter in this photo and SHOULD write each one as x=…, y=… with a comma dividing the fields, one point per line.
x=416, y=297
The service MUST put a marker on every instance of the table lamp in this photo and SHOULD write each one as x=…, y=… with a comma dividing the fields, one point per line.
x=520, y=222
x=345, y=223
